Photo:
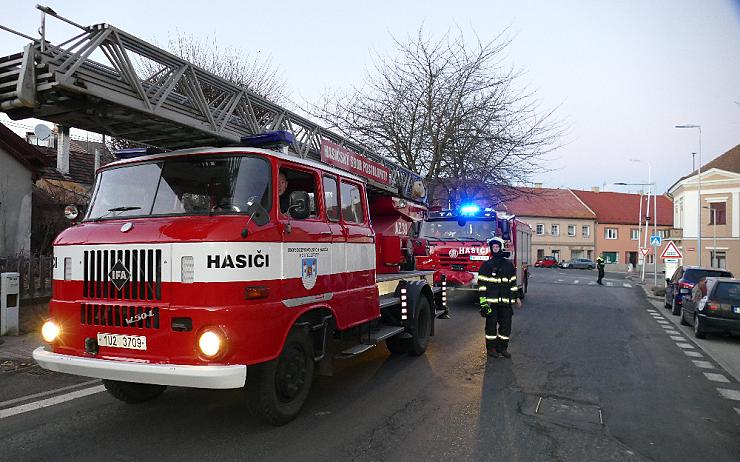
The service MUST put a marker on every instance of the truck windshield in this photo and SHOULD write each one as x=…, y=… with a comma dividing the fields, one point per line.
x=472, y=230
x=182, y=186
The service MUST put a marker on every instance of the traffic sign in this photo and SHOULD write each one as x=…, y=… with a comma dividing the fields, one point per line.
x=655, y=240
x=671, y=251
x=644, y=251
x=671, y=260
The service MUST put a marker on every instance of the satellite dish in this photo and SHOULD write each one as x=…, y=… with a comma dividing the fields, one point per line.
x=42, y=132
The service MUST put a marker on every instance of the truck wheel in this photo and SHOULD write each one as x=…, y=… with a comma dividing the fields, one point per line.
x=129, y=392
x=396, y=345
x=277, y=389
x=417, y=345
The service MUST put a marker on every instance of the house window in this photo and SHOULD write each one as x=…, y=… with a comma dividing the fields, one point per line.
x=540, y=229
x=719, y=259
x=540, y=254
x=634, y=234
x=585, y=230
x=610, y=233
x=718, y=209
x=611, y=257
x=663, y=233
x=571, y=230
x=555, y=230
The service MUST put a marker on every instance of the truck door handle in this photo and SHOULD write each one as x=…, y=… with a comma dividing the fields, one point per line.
x=326, y=233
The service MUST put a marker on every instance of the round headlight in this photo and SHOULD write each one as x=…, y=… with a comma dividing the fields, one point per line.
x=50, y=331
x=209, y=343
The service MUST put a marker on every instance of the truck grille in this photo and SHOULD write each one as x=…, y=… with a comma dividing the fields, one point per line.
x=144, y=317
x=144, y=267
x=447, y=262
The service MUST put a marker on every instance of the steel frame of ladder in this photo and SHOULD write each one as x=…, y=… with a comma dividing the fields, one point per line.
x=178, y=105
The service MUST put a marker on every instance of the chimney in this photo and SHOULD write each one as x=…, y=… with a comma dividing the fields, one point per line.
x=538, y=185
x=63, y=150
x=595, y=188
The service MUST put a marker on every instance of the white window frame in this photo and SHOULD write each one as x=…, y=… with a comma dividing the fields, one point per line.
x=555, y=230
x=572, y=234
x=587, y=229
x=540, y=227
x=608, y=232
x=634, y=234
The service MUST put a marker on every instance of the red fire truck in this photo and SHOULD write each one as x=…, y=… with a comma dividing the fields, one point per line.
x=457, y=244
x=249, y=264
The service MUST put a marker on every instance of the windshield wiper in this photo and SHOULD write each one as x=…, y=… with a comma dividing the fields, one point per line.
x=116, y=209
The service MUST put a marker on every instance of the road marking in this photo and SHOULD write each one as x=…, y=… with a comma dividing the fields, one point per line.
x=685, y=345
x=737, y=410
x=560, y=280
x=678, y=338
x=626, y=285
x=609, y=283
x=46, y=393
x=672, y=332
x=575, y=282
x=652, y=311
x=703, y=364
x=50, y=401
x=693, y=354
x=665, y=326
x=592, y=283
x=662, y=322
x=716, y=377
x=657, y=316
x=729, y=394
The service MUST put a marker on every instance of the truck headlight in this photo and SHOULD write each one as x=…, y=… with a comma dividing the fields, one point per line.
x=210, y=343
x=50, y=331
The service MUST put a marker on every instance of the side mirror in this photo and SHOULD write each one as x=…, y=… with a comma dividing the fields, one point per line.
x=299, y=201
x=257, y=213
x=71, y=212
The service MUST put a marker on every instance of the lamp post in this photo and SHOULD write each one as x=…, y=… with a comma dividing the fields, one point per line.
x=713, y=253
x=698, y=206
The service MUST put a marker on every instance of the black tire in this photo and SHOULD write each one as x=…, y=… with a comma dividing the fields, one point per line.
x=277, y=389
x=683, y=319
x=396, y=345
x=698, y=331
x=675, y=309
x=417, y=345
x=133, y=393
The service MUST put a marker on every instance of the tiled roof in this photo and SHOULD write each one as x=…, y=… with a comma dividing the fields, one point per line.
x=729, y=161
x=20, y=150
x=622, y=208
x=546, y=202
x=81, y=165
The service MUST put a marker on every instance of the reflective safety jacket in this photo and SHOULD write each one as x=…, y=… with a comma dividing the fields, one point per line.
x=497, y=282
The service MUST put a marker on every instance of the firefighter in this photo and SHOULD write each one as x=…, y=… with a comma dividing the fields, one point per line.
x=600, y=266
x=498, y=291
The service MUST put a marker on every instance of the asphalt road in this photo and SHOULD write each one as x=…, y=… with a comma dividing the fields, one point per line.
x=594, y=376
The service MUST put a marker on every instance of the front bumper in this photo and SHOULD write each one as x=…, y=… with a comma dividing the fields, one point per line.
x=179, y=375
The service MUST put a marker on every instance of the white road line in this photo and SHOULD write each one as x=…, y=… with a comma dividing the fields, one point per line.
x=688, y=346
x=678, y=338
x=46, y=393
x=575, y=282
x=651, y=311
x=592, y=283
x=662, y=322
x=559, y=280
x=703, y=364
x=657, y=316
x=729, y=394
x=50, y=401
x=716, y=377
x=665, y=326
x=626, y=285
x=693, y=354
x=609, y=283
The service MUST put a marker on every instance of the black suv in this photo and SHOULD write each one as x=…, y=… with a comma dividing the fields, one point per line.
x=683, y=281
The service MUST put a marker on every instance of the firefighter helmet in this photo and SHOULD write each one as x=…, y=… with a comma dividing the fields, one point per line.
x=496, y=240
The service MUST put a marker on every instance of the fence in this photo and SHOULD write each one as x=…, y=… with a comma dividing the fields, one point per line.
x=35, y=274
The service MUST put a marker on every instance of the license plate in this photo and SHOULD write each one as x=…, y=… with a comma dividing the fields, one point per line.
x=131, y=342
x=479, y=257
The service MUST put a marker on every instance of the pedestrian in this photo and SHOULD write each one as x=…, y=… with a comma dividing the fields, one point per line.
x=498, y=291
x=600, y=267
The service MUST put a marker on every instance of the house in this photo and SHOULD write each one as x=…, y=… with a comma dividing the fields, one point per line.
x=20, y=165
x=563, y=226
x=718, y=211
x=617, y=229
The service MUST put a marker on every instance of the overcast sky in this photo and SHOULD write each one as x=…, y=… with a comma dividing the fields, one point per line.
x=620, y=73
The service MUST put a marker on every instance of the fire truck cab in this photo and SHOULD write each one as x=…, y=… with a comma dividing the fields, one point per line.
x=232, y=267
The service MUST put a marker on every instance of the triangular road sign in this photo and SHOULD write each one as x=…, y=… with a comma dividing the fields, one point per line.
x=644, y=251
x=671, y=251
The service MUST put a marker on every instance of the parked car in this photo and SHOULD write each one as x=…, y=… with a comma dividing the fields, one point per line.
x=714, y=306
x=683, y=281
x=546, y=262
x=579, y=263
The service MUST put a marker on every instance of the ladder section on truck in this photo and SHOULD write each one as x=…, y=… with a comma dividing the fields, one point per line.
x=147, y=95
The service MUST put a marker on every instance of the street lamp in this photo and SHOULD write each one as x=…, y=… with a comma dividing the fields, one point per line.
x=698, y=207
x=713, y=253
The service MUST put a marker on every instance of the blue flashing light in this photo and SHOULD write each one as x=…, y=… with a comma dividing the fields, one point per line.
x=469, y=210
x=130, y=153
x=276, y=138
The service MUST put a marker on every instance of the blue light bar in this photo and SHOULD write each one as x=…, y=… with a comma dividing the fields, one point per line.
x=276, y=138
x=469, y=210
x=130, y=153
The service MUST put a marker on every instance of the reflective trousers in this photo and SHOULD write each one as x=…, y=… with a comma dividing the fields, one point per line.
x=498, y=327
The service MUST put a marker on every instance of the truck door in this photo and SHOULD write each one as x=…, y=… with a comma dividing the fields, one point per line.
x=338, y=237
x=306, y=239
x=360, y=254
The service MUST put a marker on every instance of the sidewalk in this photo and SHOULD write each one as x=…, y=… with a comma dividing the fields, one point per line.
x=17, y=351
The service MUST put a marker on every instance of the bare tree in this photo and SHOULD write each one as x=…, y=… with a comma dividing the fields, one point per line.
x=451, y=112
